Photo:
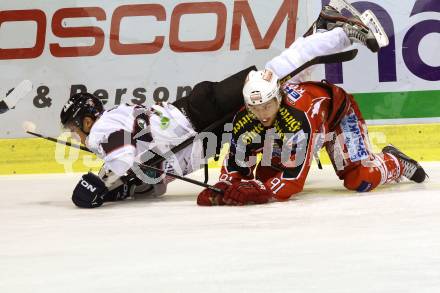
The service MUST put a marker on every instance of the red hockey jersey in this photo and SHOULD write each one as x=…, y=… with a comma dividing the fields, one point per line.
x=307, y=113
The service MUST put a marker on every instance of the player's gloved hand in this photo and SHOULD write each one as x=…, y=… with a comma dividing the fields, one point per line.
x=122, y=191
x=89, y=192
x=245, y=192
x=209, y=197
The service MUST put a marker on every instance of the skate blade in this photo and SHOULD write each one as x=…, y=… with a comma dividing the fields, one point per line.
x=19, y=92
x=370, y=20
x=340, y=5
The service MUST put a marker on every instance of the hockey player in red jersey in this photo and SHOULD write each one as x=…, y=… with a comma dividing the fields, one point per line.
x=288, y=124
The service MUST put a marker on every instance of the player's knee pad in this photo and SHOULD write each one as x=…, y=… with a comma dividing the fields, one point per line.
x=362, y=179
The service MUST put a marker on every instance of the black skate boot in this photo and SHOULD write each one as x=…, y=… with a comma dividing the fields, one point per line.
x=411, y=169
x=360, y=34
x=356, y=30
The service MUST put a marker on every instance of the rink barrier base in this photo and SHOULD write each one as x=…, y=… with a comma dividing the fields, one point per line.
x=34, y=155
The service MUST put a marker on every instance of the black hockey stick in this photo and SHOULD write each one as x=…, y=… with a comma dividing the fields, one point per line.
x=142, y=166
x=76, y=146
x=325, y=59
x=332, y=58
x=218, y=190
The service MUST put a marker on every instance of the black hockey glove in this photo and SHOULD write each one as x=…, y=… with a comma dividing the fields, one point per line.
x=89, y=192
x=123, y=191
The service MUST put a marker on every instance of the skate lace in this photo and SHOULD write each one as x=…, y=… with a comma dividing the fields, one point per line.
x=356, y=34
x=408, y=169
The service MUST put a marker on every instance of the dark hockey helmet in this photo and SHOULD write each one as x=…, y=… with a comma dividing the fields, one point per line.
x=79, y=106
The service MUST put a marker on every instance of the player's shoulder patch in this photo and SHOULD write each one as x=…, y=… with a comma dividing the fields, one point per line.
x=293, y=92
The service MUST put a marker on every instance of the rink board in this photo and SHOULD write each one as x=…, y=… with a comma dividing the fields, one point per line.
x=420, y=141
x=144, y=53
x=139, y=52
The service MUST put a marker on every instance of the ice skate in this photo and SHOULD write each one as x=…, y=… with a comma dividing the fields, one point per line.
x=368, y=19
x=411, y=168
x=356, y=30
x=329, y=18
x=361, y=34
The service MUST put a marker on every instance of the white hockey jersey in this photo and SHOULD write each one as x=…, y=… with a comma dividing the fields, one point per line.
x=123, y=134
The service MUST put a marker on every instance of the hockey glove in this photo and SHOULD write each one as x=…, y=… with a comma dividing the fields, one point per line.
x=123, y=191
x=246, y=192
x=209, y=197
x=89, y=192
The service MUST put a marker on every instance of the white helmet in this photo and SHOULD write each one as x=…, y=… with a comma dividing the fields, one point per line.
x=261, y=87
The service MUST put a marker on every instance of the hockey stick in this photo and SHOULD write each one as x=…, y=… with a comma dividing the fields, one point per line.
x=332, y=58
x=218, y=190
x=142, y=166
x=76, y=146
x=19, y=92
x=325, y=59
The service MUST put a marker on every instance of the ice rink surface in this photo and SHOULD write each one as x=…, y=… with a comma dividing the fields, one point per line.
x=325, y=240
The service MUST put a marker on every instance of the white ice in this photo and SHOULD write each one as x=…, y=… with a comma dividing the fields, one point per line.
x=325, y=240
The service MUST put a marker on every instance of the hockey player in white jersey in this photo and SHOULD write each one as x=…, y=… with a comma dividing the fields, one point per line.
x=121, y=135
x=126, y=136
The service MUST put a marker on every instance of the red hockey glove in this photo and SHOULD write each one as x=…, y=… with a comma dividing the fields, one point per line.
x=244, y=192
x=209, y=197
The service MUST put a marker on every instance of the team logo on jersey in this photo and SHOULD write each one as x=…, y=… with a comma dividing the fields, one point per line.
x=164, y=122
x=317, y=106
x=141, y=123
x=294, y=93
